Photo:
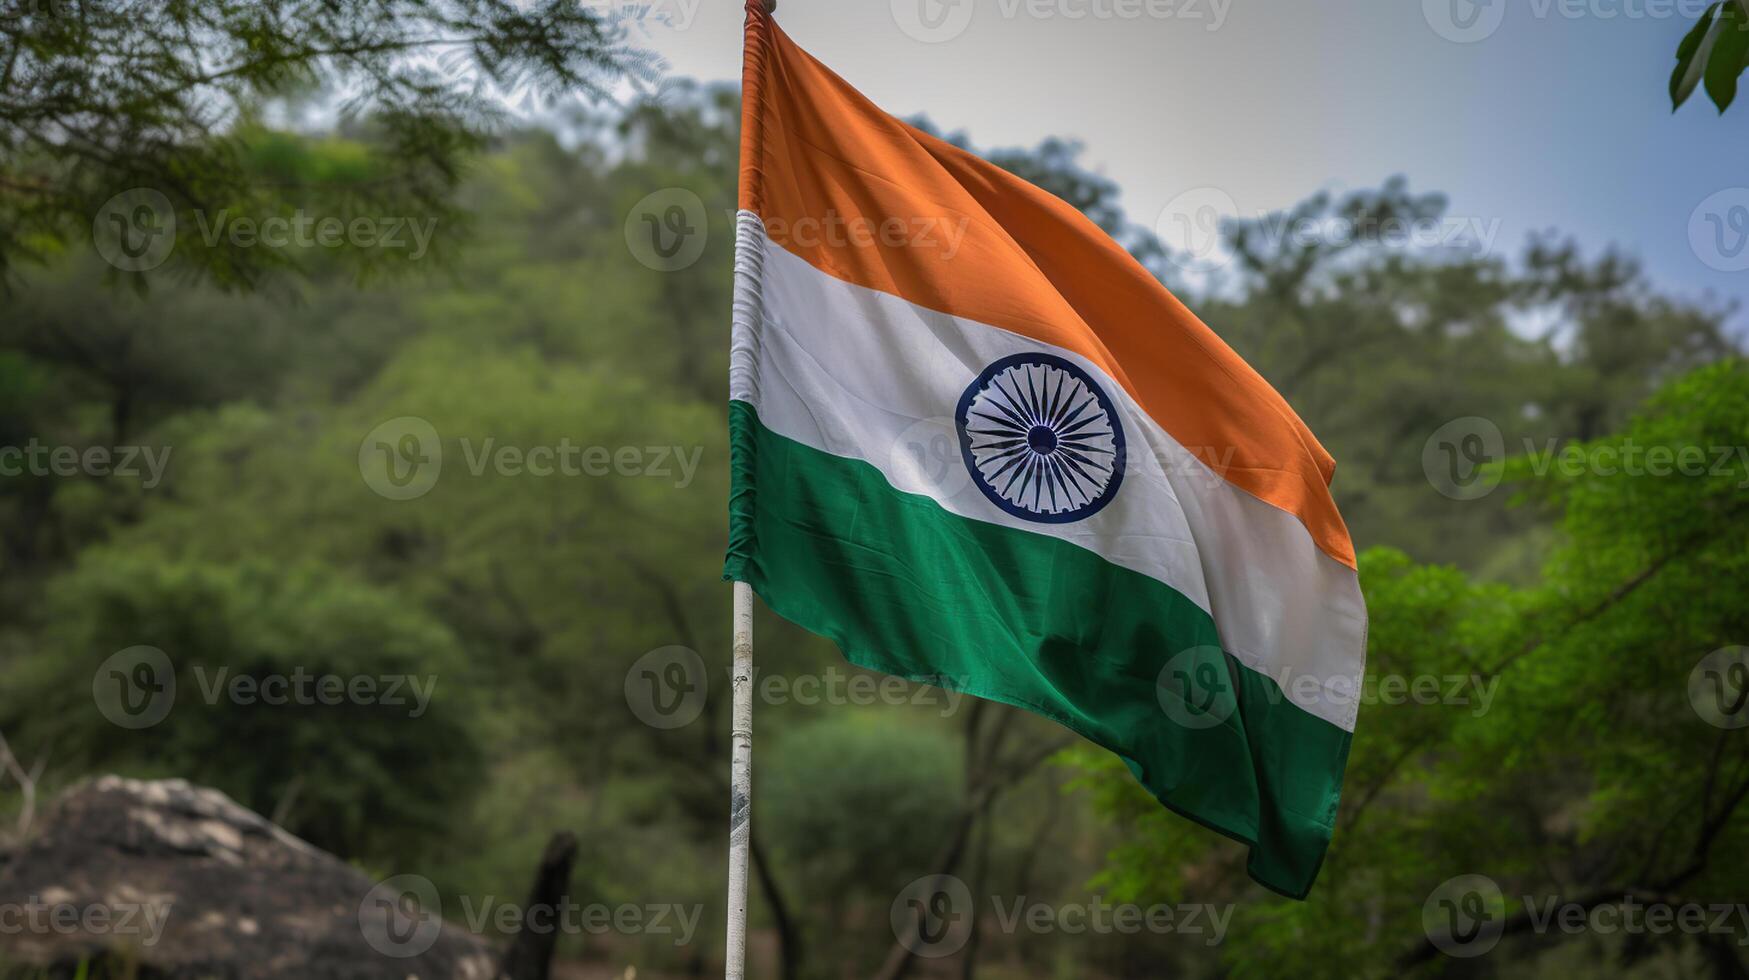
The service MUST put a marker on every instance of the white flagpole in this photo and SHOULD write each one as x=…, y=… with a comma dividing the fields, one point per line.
x=748, y=303
x=740, y=784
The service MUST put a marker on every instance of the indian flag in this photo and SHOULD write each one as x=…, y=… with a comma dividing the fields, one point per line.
x=976, y=444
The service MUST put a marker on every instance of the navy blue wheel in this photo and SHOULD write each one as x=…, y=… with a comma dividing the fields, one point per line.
x=1041, y=438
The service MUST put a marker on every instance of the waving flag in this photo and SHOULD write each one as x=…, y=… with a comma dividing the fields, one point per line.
x=975, y=443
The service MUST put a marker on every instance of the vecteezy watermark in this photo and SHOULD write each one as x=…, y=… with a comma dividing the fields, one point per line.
x=36, y=459
x=1196, y=689
x=1468, y=233
x=673, y=920
x=917, y=233
x=1190, y=227
x=136, y=231
x=1629, y=458
x=667, y=229
x=935, y=21
x=667, y=687
x=1185, y=466
x=925, y=459
x=1470, y=21
x=402, y=917
x=525, y=92
x=402, y=458
x=934, y=916
x=57, y=912
x=674, y=15
x=1718, y=687
x=302, y=688
x=301, y=229
x=135, y=688
x=836, y=686
x=1635, y=916
x=1464, y=21
x=1465, y=916
x=1718, y=230
x=1461, y=459
x=565, y=458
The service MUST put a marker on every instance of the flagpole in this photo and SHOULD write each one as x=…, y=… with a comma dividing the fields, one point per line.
x=740, y=783
x=749, y=270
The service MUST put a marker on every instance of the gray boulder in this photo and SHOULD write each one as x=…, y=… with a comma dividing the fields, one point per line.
x=178, y=881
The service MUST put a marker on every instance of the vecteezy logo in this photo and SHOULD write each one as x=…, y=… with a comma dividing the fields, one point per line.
x=666, y=230
x=932, y=916
x=1041, y=439
x=1190, y=228
x=1718, y=230
x=1464, y=916
x=932, y=21
x=925, y=459
x=402, y=916
x=666, y=688
x=1195, y=688
x=401, y=458
x=135, y=230
x=1718, y=687
x=1457, y=455
x=1464, y=21
x=135, y=688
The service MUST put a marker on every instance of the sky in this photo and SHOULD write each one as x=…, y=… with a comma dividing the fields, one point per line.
x=1530, y=115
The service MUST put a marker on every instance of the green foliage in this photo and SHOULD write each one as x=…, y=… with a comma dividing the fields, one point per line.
x=858, y=809
x=114, y=965
x=365, y=772
x=102, y=97
x=1377, y=346
x=530, y=597
x=1573, y=763
x=862, y=808
x=1716, y=52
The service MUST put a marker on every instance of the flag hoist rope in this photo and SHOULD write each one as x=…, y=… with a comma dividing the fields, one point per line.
x=747, y=311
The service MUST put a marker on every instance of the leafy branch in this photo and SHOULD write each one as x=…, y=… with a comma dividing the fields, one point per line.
x=1715, y=52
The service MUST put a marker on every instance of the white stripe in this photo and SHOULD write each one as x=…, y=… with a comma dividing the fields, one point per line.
x=862, y=374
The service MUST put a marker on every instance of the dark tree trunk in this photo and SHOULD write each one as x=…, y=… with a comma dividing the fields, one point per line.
x=530, y=956
x=789, y=937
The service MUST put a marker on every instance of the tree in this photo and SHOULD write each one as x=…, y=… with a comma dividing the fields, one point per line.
x=1588, y=776
x=552, y=587
x=329, y=705
x=140, y=123
x=855, y=810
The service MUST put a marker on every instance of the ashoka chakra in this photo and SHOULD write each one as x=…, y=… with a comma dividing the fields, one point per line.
x=1041, y=438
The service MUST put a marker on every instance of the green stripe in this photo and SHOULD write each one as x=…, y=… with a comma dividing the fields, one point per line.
x=906, y=588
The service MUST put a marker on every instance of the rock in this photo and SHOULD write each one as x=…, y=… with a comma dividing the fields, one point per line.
x=185, y=883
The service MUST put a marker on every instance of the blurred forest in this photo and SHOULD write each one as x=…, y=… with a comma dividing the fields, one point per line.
x=1579, y=599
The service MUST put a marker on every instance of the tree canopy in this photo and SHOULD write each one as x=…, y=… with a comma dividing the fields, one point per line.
x=1561, y=606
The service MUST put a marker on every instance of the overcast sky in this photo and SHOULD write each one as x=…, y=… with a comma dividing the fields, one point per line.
x=1528, y=114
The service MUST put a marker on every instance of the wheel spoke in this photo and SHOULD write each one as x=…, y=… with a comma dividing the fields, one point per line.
x=1041, y=438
